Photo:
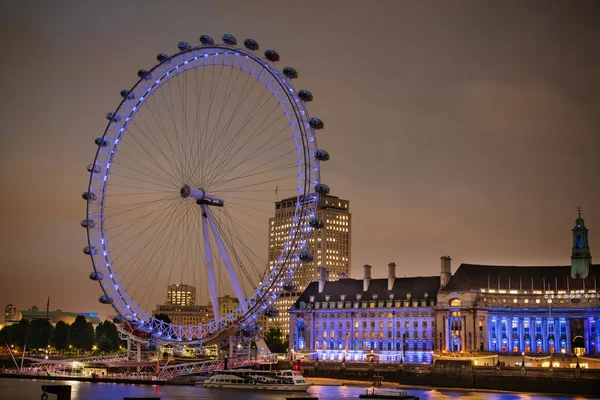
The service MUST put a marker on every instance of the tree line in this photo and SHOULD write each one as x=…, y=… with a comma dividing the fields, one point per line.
x=80, y=335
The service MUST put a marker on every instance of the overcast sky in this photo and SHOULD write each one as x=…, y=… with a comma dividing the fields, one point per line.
x=462, y=128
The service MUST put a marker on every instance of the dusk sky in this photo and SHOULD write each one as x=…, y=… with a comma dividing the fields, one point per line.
x=463, y=128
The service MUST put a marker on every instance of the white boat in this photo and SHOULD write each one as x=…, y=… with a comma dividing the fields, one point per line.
x=249, y=379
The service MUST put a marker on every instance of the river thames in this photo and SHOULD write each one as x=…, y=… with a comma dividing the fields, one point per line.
x=26, y=389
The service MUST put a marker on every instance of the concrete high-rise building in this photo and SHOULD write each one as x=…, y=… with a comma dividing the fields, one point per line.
x=185, y=315
x=330, y=247
x=10, y=313
x=181, y=295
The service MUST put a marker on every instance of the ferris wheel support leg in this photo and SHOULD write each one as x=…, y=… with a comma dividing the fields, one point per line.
x=239, y=293
x=210, y=268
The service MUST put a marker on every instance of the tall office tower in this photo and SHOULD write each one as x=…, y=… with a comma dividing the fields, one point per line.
x=10, y=313
x=330, y=247
x=181, y=295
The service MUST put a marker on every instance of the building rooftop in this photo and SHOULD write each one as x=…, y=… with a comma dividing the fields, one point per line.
x=90, y=317
x=534, y=278
x=416, y=286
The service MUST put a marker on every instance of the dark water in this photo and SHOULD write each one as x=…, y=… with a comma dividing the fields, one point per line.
x=25, y=389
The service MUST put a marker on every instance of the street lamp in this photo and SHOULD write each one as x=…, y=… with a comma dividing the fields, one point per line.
x=523, y=362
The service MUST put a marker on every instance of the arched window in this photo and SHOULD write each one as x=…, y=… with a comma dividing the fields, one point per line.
x=454, y=303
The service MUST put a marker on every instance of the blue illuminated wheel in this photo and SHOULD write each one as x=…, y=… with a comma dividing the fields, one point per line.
x=184, y=183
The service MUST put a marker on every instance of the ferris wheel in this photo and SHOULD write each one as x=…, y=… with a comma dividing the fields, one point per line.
x=184, y=184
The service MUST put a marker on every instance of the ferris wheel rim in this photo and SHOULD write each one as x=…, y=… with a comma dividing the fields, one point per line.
x=309, y=163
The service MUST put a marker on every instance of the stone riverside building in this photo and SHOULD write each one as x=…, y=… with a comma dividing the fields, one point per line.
x=480, y=309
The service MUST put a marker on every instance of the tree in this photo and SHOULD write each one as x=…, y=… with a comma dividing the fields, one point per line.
x=18, y=333
x=59, y=339
x=5, y=335
x=104, y=344
x=275, y=340
x=38, y=333
x=163, y=317
x=81, y=334
x=110, y=332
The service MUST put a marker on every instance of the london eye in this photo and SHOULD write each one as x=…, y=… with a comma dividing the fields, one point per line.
x=184, y=182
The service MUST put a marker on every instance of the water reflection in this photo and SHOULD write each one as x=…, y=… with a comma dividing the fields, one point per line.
x=22, y=389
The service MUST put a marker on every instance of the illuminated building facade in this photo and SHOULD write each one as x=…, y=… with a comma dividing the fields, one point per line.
x=479, y=310
x=185, y=315
x=181, y=295
x=59, y=315
x=531, y=310
x=10, y=313
x=330, y=247
x=391, y=320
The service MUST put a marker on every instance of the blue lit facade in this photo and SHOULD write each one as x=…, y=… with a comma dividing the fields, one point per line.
x=477, y=310
x=532, y=310
x=387, y=320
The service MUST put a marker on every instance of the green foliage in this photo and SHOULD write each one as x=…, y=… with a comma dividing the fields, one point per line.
x=110, y=332
x=163, y=317
x=275, y=340
x=104, y=344
x=59, y=339
x=18, y=332
x=38, y=333
x=5, y=335
x=81, y=334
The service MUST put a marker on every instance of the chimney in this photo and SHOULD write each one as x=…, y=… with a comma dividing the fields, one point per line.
x=446, y=271
x=322, y=278
x=391, y=275
x=367, y=279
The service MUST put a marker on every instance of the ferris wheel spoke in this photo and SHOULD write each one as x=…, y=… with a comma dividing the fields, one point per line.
x=163, y=180
x=133, y=222
x=153, y=162
x=172, y=171
x=257, y=106
x=131, y=178
x=126, y=208
x=253, y=172
x=182, y=90
x=231, y=242
x=256, y=153
x=142, y=270
x=254, y=184
x=226, y=97
x=150, y=269
x=155, y=174
x=226, y=260
x=246, y=120
x=174, y=145
x=242, y=99
x=245, y=94
x=235, y=241
x=159, y=122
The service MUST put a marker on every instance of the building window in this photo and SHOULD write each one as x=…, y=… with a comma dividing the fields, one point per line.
x=454, y=303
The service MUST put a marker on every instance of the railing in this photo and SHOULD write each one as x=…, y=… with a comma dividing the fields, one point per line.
x=171, y=371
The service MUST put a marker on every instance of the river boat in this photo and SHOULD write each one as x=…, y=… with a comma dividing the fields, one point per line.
x=249, y=379
x=387, y=394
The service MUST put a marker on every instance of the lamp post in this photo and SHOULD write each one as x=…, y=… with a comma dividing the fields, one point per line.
x=523, y=362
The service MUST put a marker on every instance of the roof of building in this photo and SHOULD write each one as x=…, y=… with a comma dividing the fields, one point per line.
x=90, y=317
x=499, y=277
x=416, y=286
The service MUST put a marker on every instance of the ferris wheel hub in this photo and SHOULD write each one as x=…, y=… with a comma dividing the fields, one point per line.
x=201, y=196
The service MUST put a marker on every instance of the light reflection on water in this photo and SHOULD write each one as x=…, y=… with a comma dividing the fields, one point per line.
x=24, y=389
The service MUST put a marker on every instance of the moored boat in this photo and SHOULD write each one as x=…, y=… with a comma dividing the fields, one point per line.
x=387, y=394
x=249, y=379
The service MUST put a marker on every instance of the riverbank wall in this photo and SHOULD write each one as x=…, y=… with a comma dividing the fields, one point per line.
x=461, y=374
